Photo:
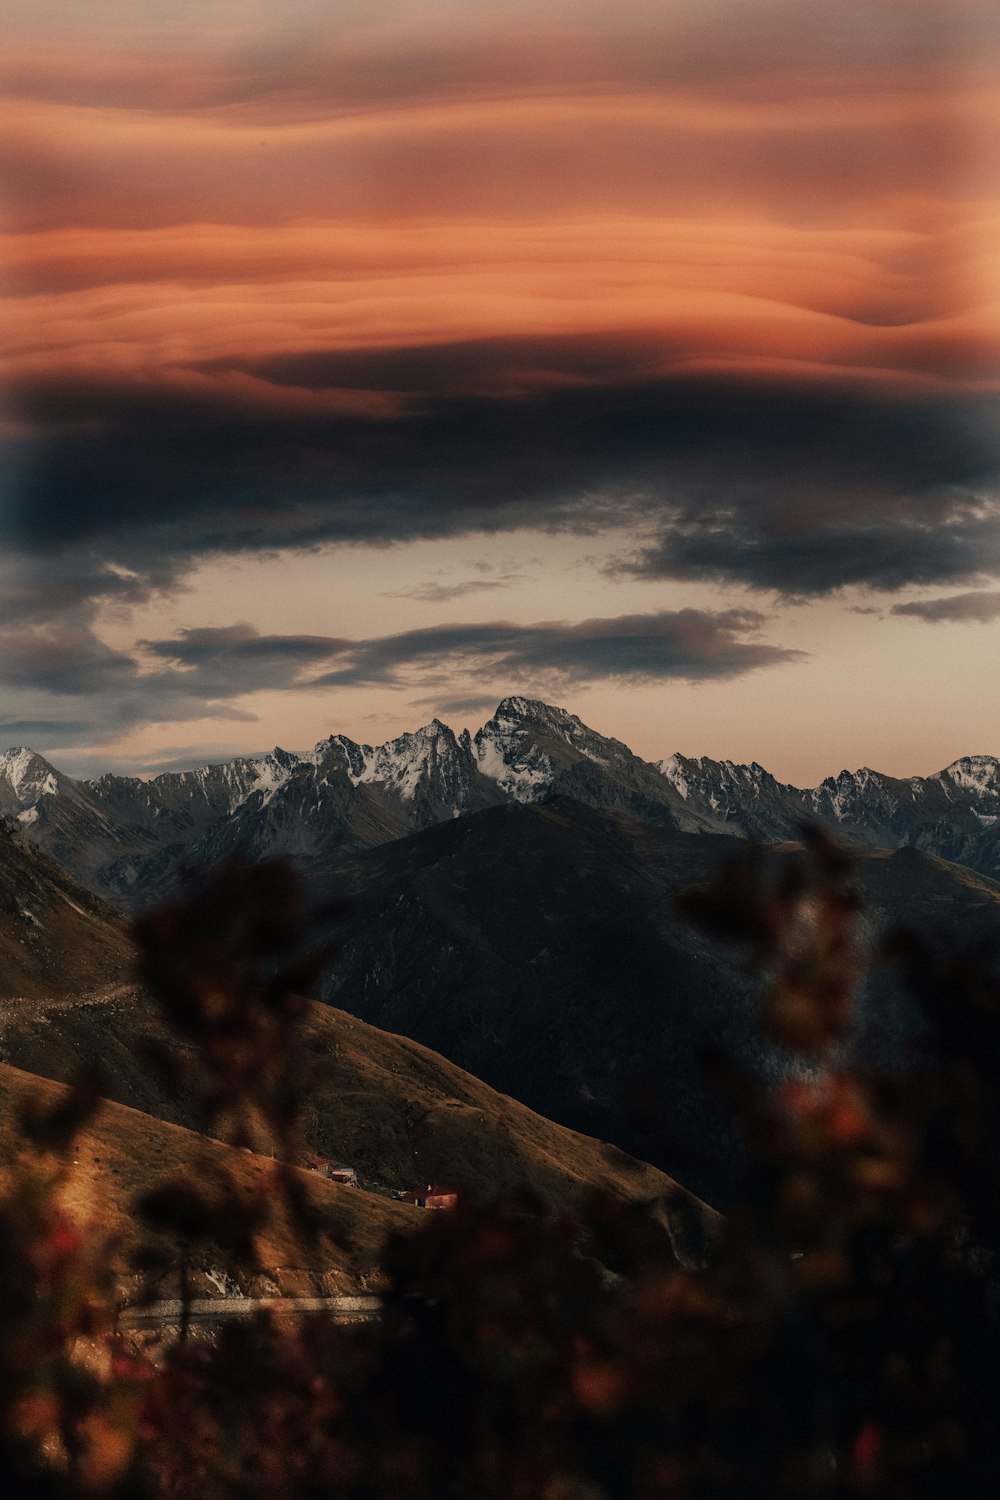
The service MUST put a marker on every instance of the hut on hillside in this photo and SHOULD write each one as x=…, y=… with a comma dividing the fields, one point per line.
x=334, y=1171
x=432, y=1196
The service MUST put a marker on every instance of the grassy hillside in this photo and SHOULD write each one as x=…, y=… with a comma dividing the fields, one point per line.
x=122, y=1154
x=396, y=1111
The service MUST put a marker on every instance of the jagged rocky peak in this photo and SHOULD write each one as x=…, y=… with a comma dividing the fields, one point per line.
x=862, y=782
x=109, y=779
x=735, y=772
x=339, y=753
x=526, y=717
x=269, y=772
x=685, y=769
x=869, y=805
x=530, y=716
x=975, y=776
x=530, y=748
x=508, y=752
x=682, y=771
x=745, y=797
x=24, y=777
x=216, y=789
x=405, y=764
x=516, y=710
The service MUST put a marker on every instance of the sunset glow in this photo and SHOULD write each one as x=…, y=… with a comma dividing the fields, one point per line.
x=707, y=291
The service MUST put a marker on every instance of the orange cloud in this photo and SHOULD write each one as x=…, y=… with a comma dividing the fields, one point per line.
x=761, y=198
x=728, y=293
x=815, y=158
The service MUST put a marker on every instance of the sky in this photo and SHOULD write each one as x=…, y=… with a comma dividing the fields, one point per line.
x=368, y=361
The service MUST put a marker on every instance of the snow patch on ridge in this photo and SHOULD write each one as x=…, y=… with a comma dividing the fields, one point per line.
x=401, y=764
x=507, y=756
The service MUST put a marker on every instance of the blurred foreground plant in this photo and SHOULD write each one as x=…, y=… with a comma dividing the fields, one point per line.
x=64, y=1427
x=841, y=1341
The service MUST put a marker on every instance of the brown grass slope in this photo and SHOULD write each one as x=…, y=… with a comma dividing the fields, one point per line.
x=122, y=1153
x=396, y=1111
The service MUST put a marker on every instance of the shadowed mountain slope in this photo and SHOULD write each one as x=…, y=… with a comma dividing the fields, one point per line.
x=540, y=948
x=54, y=935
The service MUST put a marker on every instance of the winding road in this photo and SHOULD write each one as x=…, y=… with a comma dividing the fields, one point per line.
x=220, y=1309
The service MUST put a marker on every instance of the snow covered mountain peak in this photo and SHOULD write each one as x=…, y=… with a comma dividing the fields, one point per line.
x=429, y=770
x=524, y=708
x=973, y=767
x=527, y=717
x=525, y=712
x=740, y=795
x=507, y=752
x=975, y=776
x=405, y=762
x=24, y=777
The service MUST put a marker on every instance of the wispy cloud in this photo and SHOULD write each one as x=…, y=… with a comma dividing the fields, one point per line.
x=443, y=593
x=687, y=644
x=208, y=672
x=980, y=607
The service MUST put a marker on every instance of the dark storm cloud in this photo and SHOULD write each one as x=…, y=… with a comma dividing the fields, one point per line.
x=979, y=607
x=806, y=551
x=203, y=673
x=466, y=364
x=792, y=487
x=65, y=659
x=106, y=691
x=688, y=644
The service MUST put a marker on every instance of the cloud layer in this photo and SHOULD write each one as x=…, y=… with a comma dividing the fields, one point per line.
x=425, y=273
x=687, y=644
x=350, y=274
x=206, y=672
x=981, y=607
x=773, y=484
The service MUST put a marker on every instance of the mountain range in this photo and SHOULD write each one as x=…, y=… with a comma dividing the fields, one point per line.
x=126, y=838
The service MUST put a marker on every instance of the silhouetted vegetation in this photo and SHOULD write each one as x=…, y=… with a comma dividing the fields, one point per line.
x=840, y=1338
